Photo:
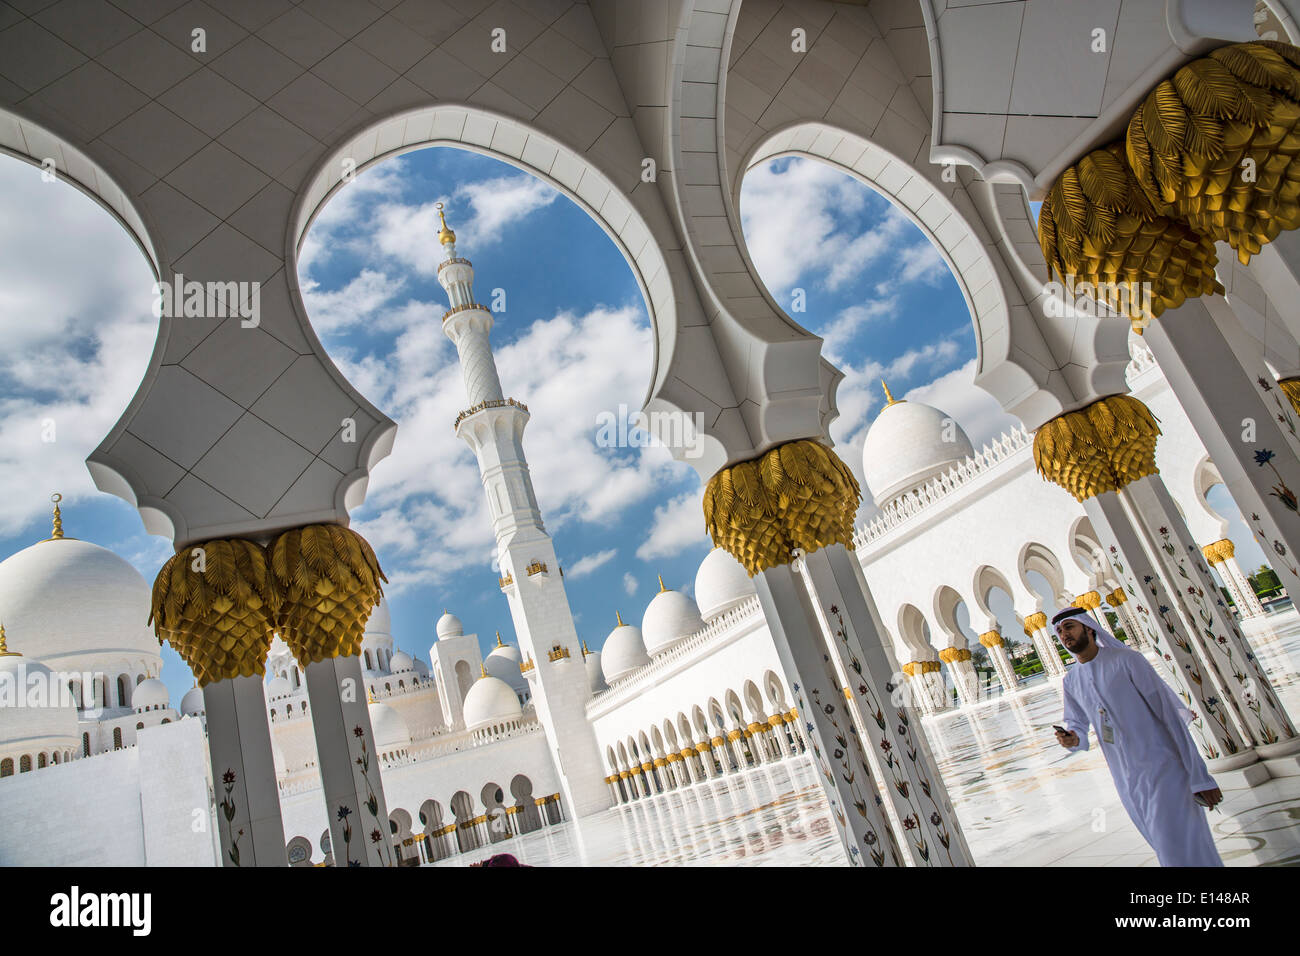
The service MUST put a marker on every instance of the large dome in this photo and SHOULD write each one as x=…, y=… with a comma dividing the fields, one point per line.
x=720, y=584
x=503, y=664
x=908, y=444
x=29, y=726
x=671, y=617
x=70, y=599
x=380, y=620
x=623, y=652
x=490, y=700
x=390, y=729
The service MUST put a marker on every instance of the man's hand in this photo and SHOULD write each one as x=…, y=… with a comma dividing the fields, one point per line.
x=1067, y=739
x=1211, y=797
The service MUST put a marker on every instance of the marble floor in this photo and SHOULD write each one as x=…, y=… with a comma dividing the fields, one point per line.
x=1021, y=799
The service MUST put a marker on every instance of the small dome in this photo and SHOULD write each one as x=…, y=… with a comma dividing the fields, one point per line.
x=595, y=676
x=30, y=727
x=720, y=584
x=449, y=626
x=908, y=444
x=381, y=619
x=421, y=668
x=390, y=729
x=623, y=652
x=670, y=617
x=503, y=664
x=192, y=703
x=149, y=694
x=277, y=688
x=490, y=700
x=400, y=663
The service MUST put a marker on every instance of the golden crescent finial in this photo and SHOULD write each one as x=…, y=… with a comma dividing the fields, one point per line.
x=499, y=644
x=662, y=589
x=445, y=235
x=619, y=618
x=482, y=669
x=58, y=516
x=890, y=400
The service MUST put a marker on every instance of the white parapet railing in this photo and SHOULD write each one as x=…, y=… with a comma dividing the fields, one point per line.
x=636, y=682
x=905, y=507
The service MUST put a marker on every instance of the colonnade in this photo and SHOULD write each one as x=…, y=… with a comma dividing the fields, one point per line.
x=708, y=758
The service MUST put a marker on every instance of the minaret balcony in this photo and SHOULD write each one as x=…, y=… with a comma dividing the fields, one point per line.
x=458, y=261
x=558, y=653
x=489, y=403
x=536, y=568
x=507, y=582
x=467, y=307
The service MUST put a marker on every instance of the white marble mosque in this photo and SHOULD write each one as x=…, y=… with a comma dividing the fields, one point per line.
x=764, y=719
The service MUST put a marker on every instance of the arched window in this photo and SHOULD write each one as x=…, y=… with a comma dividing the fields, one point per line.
x=24, y=763
x=401, y=685
x=302, y=706
x=369, y=666
x=388, y=688
x=124, y=690
x=41, y=760
x=56, y=758
x=117, y=738
x=7, y=767
x=139, y=678
x=166, y=720
x=273, y=713
x=140, y=725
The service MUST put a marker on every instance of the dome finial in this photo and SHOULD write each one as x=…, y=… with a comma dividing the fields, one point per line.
x=4, y=647
x=499, y=644
x=619, y=618
x=482, y=669
x=445, y=235
x=370, y=696
x=58, y=516
x=662, y=589
x=585, y=652
x=889, y=398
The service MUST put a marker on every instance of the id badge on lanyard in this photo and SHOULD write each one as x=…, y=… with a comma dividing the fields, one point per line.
x=1104, y=728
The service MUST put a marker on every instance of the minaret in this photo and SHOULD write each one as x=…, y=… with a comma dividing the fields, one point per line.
x=530, y=575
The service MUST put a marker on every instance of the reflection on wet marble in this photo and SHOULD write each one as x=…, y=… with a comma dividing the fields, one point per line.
x=1021, y=799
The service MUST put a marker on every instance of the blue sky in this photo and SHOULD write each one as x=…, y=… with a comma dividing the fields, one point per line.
x=573, y=341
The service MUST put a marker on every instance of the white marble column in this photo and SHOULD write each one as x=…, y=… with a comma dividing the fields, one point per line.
x=1235, y=405
x=1259, y=712
x=1215, y=731
x=778, y=733
x=844, y=775
x=918, y=687
x=348, y=762
x=1133, y=627
x=997, y=648
x=963, y=674
x=250, y=830
x=1036, y=627
x=1222, y=555
x=1249, y=597
x=838, y=592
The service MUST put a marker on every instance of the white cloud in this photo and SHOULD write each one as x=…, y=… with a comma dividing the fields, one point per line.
x=978, y=412
x=588, y=563
x=629, y=583
x=78, y=333
x=676, y=526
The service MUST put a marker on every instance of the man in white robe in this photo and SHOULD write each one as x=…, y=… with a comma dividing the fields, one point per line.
x=1142, y=727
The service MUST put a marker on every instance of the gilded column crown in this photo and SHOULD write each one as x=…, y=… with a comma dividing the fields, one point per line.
x=1089, y=601
x=1035, y=622
x=796, y=495
x=1291, y=389
x=991, y=639
x=1218, y=551
x=1116, y=597
x=1099, y=448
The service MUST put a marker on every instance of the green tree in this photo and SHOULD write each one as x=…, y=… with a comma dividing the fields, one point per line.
x=1265, y=581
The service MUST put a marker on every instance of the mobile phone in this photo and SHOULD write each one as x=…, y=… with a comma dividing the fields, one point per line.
x=1059, y=729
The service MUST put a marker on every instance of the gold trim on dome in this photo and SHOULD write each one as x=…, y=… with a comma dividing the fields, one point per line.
x=57, y=533
x=4, y=647
x=662, y=589
x=619, y=617
x=499, y=644
x=889, y=397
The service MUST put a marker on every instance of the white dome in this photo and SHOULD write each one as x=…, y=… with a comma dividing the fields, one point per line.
x=908, y=444
x=71, y=599
x=381, y=619
x=421, y=668
x=720, y=584
x=400, y=663
x=595, y=676
x=503, y=664
x=449, y=626
x=390, y=729
x=148, y=694
x=278, y=687
x=623, y=652
x=27, y=726
x=192, y=703
x=490, y=700
x=670, y=617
